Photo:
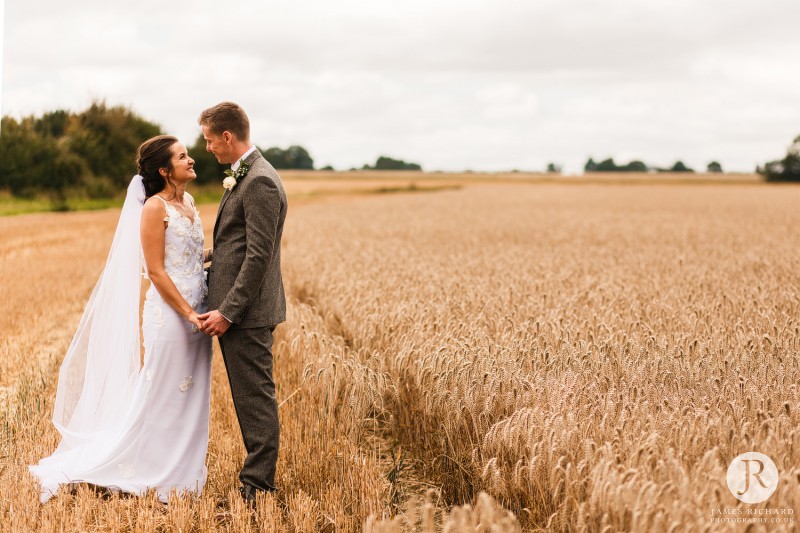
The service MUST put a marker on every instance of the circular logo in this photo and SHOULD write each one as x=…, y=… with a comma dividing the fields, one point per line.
x=752, y=477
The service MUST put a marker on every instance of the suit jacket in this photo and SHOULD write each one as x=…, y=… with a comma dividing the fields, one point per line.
x=244, y=280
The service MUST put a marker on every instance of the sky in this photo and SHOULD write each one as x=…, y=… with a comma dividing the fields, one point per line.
x=486, y=85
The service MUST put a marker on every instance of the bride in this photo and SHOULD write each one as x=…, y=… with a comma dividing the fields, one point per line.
x=126, y=426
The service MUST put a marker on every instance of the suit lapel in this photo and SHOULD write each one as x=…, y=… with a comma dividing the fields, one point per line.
x=249, y=161
x=219, y=210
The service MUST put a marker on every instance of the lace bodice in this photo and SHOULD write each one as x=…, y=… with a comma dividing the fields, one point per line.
x=183, y=256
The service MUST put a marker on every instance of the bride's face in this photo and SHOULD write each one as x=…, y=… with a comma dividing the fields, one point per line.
x=182, y=164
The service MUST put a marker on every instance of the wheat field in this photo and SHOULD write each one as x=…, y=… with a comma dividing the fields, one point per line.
x=518, y=356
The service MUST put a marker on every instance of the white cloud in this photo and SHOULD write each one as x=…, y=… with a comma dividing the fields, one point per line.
x=472, y=84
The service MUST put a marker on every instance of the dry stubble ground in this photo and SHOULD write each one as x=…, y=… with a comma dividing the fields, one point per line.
x=592, y=356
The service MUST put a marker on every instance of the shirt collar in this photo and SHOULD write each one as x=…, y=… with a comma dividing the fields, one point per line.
x=238, y=162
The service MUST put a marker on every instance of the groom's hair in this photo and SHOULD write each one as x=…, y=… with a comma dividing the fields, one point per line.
x=226, y=116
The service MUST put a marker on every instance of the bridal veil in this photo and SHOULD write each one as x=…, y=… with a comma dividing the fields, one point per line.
x=99, y=371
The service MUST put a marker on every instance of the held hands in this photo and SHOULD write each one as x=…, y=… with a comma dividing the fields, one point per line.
x=213, y=323
x=194, y=319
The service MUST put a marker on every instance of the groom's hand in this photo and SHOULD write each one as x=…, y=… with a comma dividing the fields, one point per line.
x=213, y=323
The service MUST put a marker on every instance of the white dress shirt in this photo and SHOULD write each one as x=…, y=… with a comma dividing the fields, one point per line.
x=238, y=162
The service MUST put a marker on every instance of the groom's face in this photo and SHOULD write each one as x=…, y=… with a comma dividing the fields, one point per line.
x=219, y=145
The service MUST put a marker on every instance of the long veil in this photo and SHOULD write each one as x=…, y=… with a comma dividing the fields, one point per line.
x=99, y=371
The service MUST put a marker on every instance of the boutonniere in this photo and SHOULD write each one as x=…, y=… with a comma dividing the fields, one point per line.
x=232, y=177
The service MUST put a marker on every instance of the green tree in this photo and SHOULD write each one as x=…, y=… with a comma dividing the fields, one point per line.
x=34, y=162
x=293, y=157
x=276, y=156
x=680, y=167
x=63, y=172
x=52, y=124
x=106, y=138
x=786, y=169
x=16, y=155
x=607, y=165
x=299, y=157
x=552, y=168
x=25, y=157
x=388, y=163
x=714, y=167
x=635, y=166
x=91, y=152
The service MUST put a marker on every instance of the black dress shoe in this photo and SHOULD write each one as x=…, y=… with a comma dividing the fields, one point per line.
x=248, y=493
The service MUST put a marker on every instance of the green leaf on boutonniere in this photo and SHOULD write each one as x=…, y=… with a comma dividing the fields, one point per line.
x=232, y=177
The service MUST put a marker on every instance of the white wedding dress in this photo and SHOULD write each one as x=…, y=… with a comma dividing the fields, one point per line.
x=161, y=438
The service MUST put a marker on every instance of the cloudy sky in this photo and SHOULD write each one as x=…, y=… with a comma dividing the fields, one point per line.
x=450, y=84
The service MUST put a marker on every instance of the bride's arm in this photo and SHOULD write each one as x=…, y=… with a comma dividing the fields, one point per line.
x=153, y=231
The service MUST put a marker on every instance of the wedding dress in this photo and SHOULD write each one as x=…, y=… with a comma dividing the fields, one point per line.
x=150, y=430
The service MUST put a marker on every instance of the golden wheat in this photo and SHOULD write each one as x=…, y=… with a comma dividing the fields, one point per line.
x=593, y=357
x=589, y=357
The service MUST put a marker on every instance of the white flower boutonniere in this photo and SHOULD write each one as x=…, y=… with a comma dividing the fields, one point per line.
x=231, y=180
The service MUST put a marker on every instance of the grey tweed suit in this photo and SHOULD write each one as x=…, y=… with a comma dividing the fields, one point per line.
x=245, y=285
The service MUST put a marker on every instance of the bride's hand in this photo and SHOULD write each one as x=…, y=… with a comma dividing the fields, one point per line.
x=194, y=319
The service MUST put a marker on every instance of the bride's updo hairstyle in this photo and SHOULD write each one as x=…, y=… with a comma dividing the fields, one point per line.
x=153, y=155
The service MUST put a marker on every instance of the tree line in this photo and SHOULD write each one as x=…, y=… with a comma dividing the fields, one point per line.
x=60, y=151
x=608, y=165
x=781, y=170
x=91, y=154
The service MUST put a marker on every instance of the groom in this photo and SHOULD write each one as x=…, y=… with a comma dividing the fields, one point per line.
x=245, y=288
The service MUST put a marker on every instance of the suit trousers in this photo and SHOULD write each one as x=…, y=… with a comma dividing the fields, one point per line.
x=248, y=360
